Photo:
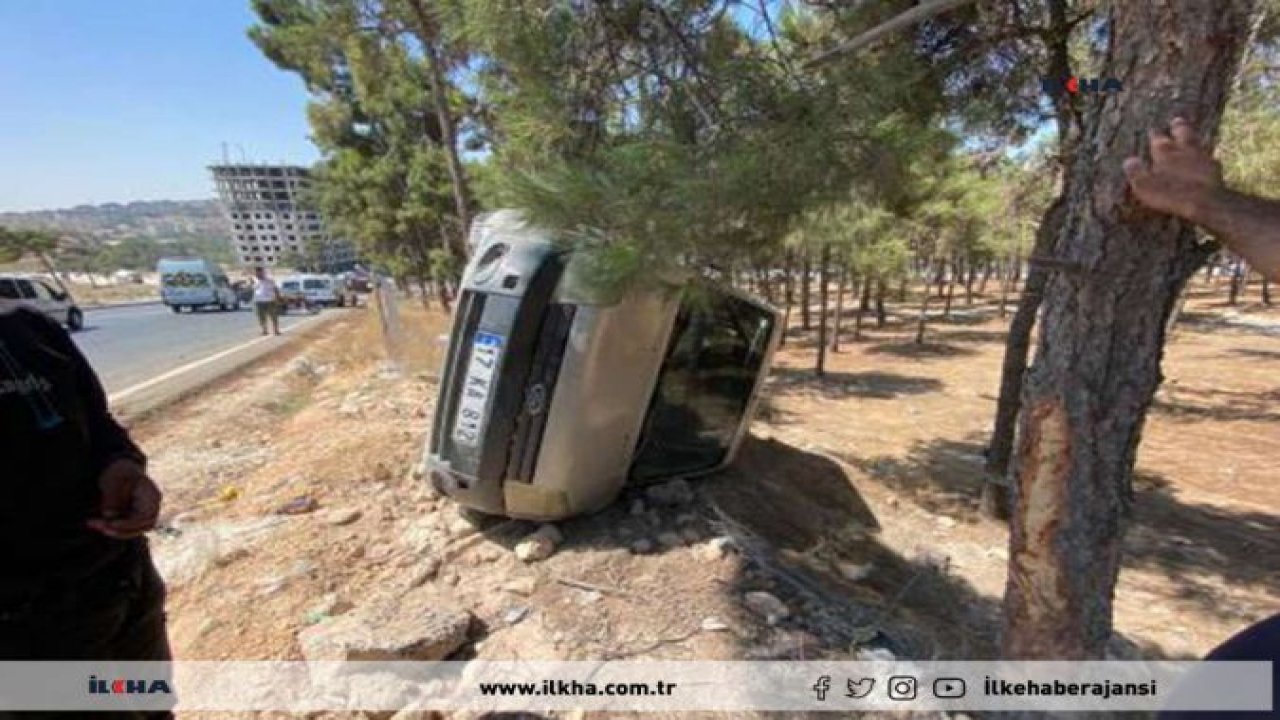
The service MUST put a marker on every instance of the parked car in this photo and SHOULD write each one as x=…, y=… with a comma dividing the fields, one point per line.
x=195, y=283
x=43, y=296
x=326, y=291
x=556, y=393
x=291, y=294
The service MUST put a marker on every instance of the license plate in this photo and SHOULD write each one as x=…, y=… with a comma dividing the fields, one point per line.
x=486, y=351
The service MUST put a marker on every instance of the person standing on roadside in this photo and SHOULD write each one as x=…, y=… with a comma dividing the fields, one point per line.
x=76, y=577
x=266, y=301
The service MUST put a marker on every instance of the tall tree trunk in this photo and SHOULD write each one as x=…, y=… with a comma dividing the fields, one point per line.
x=902, y=288
x=840, y=290
x=788, y=293
x=1266, y=290
x=987, y=269
x=1006, y=285
x=951, y=289
x=880, y=313
x=821, y=368
x=970, y=276
x=995, y=492
x=1118, y=273
x=923, y=319
x=1238, y=271
x=864, y=304
x=428, y=31
x=806, y=268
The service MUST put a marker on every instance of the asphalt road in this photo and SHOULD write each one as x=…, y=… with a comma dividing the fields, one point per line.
x=129, y=345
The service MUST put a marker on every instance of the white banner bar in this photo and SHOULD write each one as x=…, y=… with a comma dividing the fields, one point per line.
x=637, y=686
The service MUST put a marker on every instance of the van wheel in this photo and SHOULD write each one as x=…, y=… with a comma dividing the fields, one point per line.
x=75, y=319
x=177, y=309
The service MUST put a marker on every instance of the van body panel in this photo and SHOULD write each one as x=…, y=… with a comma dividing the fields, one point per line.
x=553, y=397
x=194, y=282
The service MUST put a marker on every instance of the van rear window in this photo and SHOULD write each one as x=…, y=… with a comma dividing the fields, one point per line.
x=184, y=279
x=314, y=284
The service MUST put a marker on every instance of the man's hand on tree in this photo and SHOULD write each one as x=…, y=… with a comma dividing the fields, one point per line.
x=1183, y=178
x=130, y=501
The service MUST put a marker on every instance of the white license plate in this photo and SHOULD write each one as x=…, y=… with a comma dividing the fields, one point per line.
x=486, y=351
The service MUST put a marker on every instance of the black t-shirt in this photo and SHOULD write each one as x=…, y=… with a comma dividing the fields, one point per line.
x=56, y=437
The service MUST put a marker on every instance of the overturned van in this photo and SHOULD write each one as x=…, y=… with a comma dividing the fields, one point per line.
x=555, y=394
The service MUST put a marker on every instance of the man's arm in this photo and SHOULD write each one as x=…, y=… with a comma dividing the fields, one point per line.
x=130, y=499
x=1184, y=180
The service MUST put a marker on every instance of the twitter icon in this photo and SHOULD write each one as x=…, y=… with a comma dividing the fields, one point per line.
x=860, y=688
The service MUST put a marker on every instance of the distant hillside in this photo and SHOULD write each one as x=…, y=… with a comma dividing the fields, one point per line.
x=160, y=220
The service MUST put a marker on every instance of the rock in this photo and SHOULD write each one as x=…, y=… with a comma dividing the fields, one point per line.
x=207, y=626
x=714, y=549
x=690, y=535
x=486, y=554
x=589, y=597
x=300, y=505
x=878, y=654
x=521, y=586
x=405, y=628
x=540, y=544
x=328, y=606
x=215, y=443
x=766, y=606
x=714, y=624
x=458, y=526
x=515, y=614
x=642, y=546
x=303, y=367
x=686, y=519
x=669, y=540
x=671, y=494
x=428, y=570
x=637, y=508
x=946, y=522
x=854, y=572
x=341, y=516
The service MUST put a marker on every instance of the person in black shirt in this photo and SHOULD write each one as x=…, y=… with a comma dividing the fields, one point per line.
x=76, y=577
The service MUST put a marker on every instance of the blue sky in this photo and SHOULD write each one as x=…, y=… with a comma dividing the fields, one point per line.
x=118, y=100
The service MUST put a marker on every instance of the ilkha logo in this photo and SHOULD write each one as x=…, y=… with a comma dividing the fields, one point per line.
x=1077, y=85
x=122, y=686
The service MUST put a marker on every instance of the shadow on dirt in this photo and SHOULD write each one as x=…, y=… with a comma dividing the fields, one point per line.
x=1198, y=547
x=1190, y=404
x=842, y=385
x=926, y=350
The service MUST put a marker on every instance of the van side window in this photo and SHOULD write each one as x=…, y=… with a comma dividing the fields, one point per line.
x=26, y=290
x=717, y=346
x=9, y=289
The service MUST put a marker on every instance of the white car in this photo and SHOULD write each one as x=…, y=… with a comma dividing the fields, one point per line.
x=41, y=295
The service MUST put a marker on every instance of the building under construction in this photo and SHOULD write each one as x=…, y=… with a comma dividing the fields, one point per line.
x=271, y=222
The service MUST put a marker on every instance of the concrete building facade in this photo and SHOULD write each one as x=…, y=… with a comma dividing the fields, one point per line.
x=270, y=219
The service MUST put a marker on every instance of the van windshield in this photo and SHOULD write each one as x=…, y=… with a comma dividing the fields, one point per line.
x=184, y=279
x=710, y=370
x=315, y=284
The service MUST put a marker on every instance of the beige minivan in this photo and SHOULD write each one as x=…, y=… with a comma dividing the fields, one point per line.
x=556, y=394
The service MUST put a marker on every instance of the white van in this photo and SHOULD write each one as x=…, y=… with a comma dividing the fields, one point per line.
x=43, y=296
x=195, y=283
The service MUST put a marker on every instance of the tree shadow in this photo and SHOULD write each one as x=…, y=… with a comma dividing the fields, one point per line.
x=927, y=349
x=1197, y=547
x=975, y=336
x=841, y=385
x=1201, y=321
x=1257, y=354
x=1189, y=403
x=942, y=475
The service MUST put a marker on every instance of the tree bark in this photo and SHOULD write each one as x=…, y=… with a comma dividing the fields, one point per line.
x=923, y=318
x=951, y=289
x=1118, y=272
x=880, y=313
x=788, y=295
x=1266, y=290
x=840, y=290
x=805, y=269
x=1237, y=276
x=821, y=368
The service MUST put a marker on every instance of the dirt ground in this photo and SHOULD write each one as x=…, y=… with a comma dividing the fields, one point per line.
x=290, y=499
